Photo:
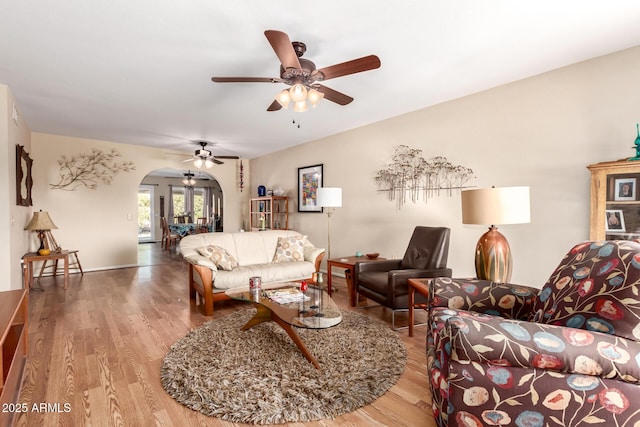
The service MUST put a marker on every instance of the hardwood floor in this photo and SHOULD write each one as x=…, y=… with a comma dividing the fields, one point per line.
x=95, y=352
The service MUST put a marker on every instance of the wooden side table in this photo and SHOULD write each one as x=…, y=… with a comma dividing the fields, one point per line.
x=422, y=287
x=32, y=257
x=348, y=263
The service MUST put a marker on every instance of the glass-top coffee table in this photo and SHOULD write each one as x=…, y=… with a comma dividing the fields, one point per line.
x=319, y=311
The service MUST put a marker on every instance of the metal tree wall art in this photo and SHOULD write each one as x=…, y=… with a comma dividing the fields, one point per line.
x=410, y=176
x=88, y=170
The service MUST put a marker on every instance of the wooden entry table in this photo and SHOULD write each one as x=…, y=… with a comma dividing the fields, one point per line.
x=32, y=257
x=348, y=263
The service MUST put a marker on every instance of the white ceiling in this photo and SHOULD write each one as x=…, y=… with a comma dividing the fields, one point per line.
x=139, y=72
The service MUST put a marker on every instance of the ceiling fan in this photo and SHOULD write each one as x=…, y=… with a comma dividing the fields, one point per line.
x=301, y=74
x=204, y=157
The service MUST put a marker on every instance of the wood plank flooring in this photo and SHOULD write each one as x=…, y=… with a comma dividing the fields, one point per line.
x=95, y=352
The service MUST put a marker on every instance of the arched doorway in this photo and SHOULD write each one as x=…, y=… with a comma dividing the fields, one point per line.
x=165, y=193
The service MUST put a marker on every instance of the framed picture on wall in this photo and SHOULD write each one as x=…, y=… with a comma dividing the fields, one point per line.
x=625, y=189
x=309, y=180
x=24, y=182
x=615, y=220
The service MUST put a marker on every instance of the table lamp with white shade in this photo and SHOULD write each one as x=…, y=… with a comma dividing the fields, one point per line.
x=329, y=198
x=495, y=206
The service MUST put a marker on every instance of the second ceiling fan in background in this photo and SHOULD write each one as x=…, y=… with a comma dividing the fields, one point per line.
x=205, y=158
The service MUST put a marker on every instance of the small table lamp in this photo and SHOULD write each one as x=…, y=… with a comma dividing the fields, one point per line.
x=41, y=223
x=329, y=198
x=507, y=205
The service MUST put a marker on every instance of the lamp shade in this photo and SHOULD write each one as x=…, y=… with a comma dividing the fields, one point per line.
x=284, y=98
x=495, y=206
x=330, y=197
x=298, y=92
x=314, y=96
x=40, y=221
x=300, y=106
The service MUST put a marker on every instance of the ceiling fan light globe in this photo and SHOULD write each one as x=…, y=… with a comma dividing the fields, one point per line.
x=300, y=107
x=208, y=163
x=198, y=162
x=314, y=96
x=283, y=98
x=298, y=93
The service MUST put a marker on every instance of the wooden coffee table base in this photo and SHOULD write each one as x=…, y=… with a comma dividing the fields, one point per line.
x=264, y=314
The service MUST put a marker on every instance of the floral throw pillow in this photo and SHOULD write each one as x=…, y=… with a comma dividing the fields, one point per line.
x=290, y=249
x=219, y=256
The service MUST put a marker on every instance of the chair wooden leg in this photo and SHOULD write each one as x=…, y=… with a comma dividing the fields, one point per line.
x=76, y=263
x=44, y=265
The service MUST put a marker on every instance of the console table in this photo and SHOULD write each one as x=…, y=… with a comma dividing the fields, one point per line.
x=14, y=314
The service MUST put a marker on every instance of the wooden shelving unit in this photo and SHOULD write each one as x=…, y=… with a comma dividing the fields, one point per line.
x=609, y=182
x=269, y=213
x=14, y=314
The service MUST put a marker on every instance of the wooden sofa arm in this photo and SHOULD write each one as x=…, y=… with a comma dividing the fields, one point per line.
x=318, y=261
x=204, y=288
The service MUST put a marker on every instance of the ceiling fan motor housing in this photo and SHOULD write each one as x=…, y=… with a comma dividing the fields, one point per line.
x=201, y=152
x=306, y=74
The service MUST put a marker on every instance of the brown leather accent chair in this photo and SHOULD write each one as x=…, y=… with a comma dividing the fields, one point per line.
x=385, y=282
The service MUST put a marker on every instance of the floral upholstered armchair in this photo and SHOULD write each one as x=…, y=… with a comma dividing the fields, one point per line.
x=564, y=355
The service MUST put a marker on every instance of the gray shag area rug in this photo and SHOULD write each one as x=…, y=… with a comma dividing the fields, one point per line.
x=260, y=377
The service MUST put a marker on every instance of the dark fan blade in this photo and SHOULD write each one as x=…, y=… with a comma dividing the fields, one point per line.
x=284, y=50
x=275, y=106
x=226, y=157
x=246, y=80
x=334, y=95
x=350, y=67
x=217, y=162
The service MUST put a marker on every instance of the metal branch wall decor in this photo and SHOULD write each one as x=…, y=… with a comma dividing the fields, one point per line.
x=410, y=176
x=88, y=170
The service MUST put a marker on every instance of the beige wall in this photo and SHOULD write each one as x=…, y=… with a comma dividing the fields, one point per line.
x=102, y=223
x=540, y=132
x=14, y=241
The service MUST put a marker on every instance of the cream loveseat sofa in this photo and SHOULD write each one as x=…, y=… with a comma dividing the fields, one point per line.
x=221, y=261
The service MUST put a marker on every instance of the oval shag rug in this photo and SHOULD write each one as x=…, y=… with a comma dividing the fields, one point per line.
x=260, y=377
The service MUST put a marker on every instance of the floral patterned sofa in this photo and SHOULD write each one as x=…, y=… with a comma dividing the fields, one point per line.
x=564, y=355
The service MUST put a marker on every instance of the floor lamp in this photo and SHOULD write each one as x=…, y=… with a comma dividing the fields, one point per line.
x=507, y=205
x=329, y=198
